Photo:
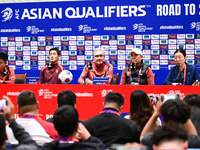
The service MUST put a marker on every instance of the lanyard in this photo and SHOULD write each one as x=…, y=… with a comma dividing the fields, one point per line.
x=28, y=116
x=67, y=140
x=109, y=111
x=184, y=75
x=138, y=74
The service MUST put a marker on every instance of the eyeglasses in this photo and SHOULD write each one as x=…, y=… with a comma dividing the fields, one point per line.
x=97, y=56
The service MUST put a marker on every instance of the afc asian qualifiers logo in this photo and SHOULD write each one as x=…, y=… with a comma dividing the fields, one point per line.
x=105, y=92
x=7, y=14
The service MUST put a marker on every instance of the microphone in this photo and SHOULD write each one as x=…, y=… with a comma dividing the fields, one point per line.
x=89, y=65
x=5, y=72
x=179, y=76
x=131, y=66
x=49, y=66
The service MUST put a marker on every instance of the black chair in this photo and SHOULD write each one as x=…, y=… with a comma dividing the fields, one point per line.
x=116, y=79
x=20, y=78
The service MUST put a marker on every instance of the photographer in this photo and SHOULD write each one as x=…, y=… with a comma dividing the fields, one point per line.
x=24, y=139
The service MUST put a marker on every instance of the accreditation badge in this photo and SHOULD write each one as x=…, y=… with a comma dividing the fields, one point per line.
x=56, y=70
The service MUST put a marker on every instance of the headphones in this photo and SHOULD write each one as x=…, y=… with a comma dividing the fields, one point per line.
x=89, y=65
x=49, y=66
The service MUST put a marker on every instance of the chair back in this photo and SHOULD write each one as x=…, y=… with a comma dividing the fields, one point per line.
x=20, y=78
x=116, y=79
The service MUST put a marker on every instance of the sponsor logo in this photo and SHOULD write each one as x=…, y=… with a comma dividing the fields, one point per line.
x=19, y=43
x=113, y=42
x=146, y=36
x=129, y=37
x=180, y=36
x=137, y=37
x=146, y=42
x=163, y=36
x=190, y=62
x=155, y=67
x=163, y=56
x=172, y=41
x=189, y=51
x=96, y=42
x=144, y=52
x=172, y=36
x=46, y=93
x=163, y=46
x=121, y=47
x=7, y=14
x=86, y=28
x=72, y=67
x=121, y=37
x=95, y=37
x=4, y=39
x=138, y=42
x=172, y=46
x=146, y=57
x=33, y=29
x=163, y=41
x=141, y=27
x=155, y=62
x=154, y=46
x=154, y=36
x=154, y=56
x=154, y=42
x=155, y=52
x=88, y=42
x=129, y=46
x=163, y=62
x=189, y=56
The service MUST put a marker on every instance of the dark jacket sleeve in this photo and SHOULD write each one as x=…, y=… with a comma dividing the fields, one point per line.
x=99, y=144
x=24, y=139
x=169, y=79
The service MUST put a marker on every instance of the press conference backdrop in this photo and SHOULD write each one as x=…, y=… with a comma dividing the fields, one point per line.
x=29, y=30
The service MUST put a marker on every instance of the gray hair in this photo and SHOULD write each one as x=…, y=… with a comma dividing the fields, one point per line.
x=98, y=49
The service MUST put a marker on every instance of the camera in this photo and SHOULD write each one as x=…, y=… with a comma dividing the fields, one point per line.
x=3, y=102
x=153, y=99
x=166, y=97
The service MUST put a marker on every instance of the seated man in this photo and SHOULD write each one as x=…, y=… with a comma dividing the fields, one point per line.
x=7, y=74
x=65, y=121
x=173, y=111
x=98, y=68
x=24, y=139
x=49, y=74
x=109, y=126
x=171, y=136
x=137, y=73
x=65, y=98
x=41, y=131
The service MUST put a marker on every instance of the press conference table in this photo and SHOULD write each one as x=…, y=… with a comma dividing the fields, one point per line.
x=89, y=97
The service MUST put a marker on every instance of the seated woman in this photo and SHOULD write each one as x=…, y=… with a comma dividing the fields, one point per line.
x=141, y=109
x=182, y=73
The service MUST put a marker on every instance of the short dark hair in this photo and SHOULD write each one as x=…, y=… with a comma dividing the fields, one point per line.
x=2, y=130
x=66, y=98
x=65, y=120
x=55, y=49
x=3, y=56
x=26, y=98
x=181, y=50
x=114, y=97
x=169, y=132
x=177, y=111
x=193, y=100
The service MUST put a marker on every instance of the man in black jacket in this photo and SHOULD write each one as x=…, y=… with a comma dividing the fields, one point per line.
x=24, y=139
x=109, y=126
x=72, y=135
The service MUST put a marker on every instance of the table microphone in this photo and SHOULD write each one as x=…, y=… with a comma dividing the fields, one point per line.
x=179, y=76
x=90, y=67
